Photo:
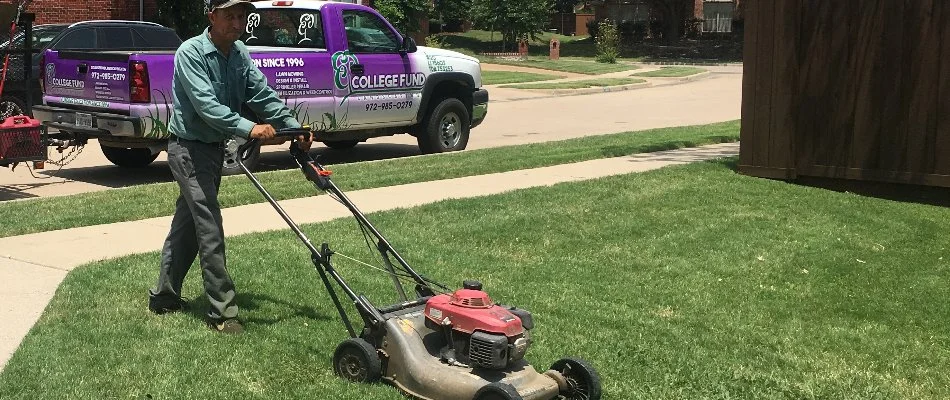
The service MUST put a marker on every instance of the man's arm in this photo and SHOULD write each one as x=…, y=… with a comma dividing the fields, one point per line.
x=265, y=102
x=190, y=73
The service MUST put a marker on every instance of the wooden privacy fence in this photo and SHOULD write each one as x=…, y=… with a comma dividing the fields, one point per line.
x=847, y=89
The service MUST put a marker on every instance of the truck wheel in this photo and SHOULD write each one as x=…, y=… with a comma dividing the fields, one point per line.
x=583, y=382
x=446, y=128
x=129, y=157
x=357, y=361
x=10, y=106
x=250, y=160
x=497, y=391
x=341, y=144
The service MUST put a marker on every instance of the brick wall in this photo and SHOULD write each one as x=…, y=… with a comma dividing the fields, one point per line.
x=65, y=11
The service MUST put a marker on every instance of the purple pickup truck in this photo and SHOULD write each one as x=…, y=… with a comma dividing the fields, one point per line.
x=341, y=67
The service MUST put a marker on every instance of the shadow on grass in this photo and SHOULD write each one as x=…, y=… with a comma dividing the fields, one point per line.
x=253, y=301
x=620, y=151
x=905, y=193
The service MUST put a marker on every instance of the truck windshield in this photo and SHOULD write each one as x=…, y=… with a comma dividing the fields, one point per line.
x=285, y=27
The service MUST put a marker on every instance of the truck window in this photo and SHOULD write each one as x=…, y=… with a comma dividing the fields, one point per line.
x=367, y=33
x=155, y=38
x=83, y=38
x=116, y=37
x=285, y=27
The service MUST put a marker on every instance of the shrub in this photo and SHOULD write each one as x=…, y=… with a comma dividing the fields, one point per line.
x=435, y=41
x=607, y=43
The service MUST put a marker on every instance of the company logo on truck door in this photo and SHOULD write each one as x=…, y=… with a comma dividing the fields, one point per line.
x=53, y=81
x=341, y=61
x=343, y=77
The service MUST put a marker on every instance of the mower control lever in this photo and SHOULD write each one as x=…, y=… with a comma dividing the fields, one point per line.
x=280, y=133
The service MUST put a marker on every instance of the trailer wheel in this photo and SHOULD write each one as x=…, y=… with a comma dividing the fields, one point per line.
x=11, y=106
x=446, y=128
x=497, y=391
x=357, y=361
x=583, y=382
x=341, y=144
x=135, y=157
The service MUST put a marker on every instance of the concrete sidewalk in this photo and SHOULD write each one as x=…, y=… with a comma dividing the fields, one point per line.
x=32, y=266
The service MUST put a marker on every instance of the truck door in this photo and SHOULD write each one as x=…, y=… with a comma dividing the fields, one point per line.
x=288, y=45
x=381, y=85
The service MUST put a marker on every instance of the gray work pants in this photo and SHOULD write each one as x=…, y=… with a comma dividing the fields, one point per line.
x=196, y=228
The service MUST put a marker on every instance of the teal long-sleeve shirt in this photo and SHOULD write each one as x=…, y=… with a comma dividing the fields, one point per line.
x=209, y=90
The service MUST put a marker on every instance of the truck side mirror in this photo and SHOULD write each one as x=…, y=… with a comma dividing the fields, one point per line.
x=408, y=45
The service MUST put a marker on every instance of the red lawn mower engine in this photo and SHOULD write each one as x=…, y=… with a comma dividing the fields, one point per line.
x=478, y=332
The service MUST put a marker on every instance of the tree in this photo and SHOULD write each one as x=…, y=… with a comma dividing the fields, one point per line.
x=403, y=14
x=673, y=14
x=453, y=13
x=187, y=17
x=565, y=6
x=514, y=19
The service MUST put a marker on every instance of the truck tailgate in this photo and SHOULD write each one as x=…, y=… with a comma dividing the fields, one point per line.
x=92, y=79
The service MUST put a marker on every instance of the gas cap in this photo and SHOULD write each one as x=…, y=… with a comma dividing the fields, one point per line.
x=471, y=284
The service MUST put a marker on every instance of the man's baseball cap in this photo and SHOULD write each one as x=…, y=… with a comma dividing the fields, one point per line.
x=212, y=5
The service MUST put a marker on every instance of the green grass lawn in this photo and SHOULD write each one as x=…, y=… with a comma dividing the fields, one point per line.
x=689, y=282
x=577, y=84
x=155, y=200
x=500, y=77
x=671, y=72
x=572, y=65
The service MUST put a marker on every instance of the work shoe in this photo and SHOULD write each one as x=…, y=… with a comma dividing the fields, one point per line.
x=159, y=305
x=230, y=326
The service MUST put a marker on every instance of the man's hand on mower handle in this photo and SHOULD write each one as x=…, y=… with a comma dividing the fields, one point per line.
x=305, y=141
x=262, y=131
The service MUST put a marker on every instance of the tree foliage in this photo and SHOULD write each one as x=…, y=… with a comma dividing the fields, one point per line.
x=187, y=17
x=514, y=19
x=673, y=16
x=453, y=10
x=565, y=6
x=403, y=14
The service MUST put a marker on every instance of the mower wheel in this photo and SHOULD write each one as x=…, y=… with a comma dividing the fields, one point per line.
x=357, y=361
x=583, y=382
x=497, y=391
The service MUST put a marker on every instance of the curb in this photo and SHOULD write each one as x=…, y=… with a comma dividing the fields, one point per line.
x=687, y=78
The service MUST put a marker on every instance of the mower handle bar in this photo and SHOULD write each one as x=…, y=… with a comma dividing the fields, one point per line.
x=280, y=133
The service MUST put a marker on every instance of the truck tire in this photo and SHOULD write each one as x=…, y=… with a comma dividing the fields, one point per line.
x=135, y=157
x=446, y=128
x=250, y=159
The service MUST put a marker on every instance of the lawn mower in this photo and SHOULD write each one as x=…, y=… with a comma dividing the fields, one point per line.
x=438, y=343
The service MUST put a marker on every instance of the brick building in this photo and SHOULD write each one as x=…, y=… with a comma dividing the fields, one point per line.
x=66, y=11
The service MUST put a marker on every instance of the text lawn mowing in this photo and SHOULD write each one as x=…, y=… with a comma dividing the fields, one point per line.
x=155, y=200
x=670, y=72
x=689, y=282
x=501, y=77
x=583, y=84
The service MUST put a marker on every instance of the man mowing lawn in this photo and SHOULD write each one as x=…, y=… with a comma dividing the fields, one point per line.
x=200, y=125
